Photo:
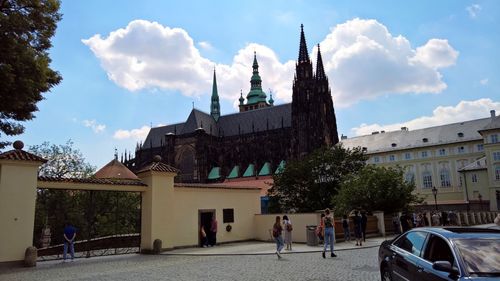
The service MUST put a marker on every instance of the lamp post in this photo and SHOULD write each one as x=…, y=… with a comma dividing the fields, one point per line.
x=480, y=201
x=435, y=192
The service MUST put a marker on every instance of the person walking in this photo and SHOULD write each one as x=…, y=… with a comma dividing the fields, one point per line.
x=328, y=222
x=320, y=229
x=277, y=231
x=203, y=236
x=213, y=231
x=405, y=222
x=288, y=232
x=395, y=224
x=364, y=222
x=345, y=226
x=69, y=240
x=357, y=228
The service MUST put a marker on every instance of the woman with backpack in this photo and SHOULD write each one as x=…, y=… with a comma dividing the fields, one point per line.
x=288, y=232
x=277, y=230
x=328, y=222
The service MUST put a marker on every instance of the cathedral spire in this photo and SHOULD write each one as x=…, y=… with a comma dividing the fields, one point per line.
x=215, y=105
x=256, y=94
x=303, y=54
x=320, y=71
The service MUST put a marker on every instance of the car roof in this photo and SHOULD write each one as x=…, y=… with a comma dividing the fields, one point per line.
x=462, y=232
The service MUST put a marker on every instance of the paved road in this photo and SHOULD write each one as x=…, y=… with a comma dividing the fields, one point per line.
x=358, y=264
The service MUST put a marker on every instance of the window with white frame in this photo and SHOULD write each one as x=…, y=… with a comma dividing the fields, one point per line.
x=427, y=179
x=392, y=158
x=442, y=152
x=496, y=156
x=480, y=147
x=460, y=149
x=423, y=154
x=444, y=175
x=410, y=174
x=474, y=178
x=407, y=156
x=494, y=138
x=497, y=172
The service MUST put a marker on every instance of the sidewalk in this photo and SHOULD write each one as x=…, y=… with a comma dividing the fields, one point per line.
x=269, y=248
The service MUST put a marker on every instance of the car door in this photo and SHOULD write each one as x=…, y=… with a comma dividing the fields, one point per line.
x=406, y=254
x=436, y=249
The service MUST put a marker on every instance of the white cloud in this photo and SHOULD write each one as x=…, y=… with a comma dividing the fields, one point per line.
x=363, y=61
x=205, y=45
x=136, y=134
x=484, y=81
x=473, y=10
x=463, y=111
x=97, y=128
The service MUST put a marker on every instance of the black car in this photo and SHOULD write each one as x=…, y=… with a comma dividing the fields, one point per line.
x=452, y=253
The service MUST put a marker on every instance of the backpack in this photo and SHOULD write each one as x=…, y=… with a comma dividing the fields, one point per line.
x=328, y=222
x=275, y=232
x=289, y=227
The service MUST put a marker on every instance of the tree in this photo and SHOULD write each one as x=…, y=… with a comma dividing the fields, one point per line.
x=309, y=184
x=26, y=27
x=64, y=161
x=376, y=189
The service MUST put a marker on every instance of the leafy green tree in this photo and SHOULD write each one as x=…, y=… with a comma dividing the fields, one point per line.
x=26, y=27
x=309, y=184
x=376, y=189
x=63, y=161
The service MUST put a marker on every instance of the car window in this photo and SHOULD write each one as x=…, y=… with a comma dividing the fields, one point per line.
x=480, y=256
x=412, y=242
x=438, y=250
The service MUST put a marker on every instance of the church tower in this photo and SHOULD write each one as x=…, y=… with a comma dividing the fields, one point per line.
x=215, y=105
x=256, y=98
x=313, y=117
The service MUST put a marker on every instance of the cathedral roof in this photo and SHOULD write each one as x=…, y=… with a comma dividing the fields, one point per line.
x=273, y=117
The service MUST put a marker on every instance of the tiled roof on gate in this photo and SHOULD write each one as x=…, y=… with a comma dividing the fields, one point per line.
x=94, y=181
x=272, y=117
x=215, y=186
x=21, y=155
x=159, y=167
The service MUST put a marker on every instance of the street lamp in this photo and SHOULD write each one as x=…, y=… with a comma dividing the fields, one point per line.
x=435, y=192
x=480, y=201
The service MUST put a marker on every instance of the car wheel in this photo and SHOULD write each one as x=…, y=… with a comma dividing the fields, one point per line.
x=386, y=274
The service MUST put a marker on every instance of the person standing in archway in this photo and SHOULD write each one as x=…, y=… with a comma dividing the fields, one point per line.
x=213, y=231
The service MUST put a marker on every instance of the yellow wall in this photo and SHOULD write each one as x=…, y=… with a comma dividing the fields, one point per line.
x=264, y=223
x=17, y=208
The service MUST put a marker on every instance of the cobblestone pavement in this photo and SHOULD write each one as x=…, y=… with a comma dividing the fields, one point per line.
x=358, y=264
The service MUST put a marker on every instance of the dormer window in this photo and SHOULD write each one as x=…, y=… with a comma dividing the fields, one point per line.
x=394, y=144
x=425, y=140
x=460, y=135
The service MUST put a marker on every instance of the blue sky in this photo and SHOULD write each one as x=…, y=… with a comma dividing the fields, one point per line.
x=127, y=65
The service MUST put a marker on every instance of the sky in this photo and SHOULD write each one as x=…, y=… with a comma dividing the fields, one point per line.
x=129, y=65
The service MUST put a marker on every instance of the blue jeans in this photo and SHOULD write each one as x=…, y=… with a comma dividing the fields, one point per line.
x=71, y=249
x=329, y=238
x=279, y=243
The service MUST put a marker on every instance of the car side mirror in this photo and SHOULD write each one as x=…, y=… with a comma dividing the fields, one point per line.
x=445, y=266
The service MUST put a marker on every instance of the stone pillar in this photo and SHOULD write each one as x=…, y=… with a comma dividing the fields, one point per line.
x=157, y=221
x=466, y=218
x=380, y=222
x=473, y=218
x=459, y=218
x=18, y=184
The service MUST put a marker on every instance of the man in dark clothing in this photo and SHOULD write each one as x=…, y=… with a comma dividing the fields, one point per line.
x=364, y=222
x=69, y=240
x=405, y=222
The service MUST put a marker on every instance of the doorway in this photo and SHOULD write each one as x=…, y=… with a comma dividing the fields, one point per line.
x=205, y=220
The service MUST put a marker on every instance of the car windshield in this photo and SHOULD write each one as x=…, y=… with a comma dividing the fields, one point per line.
x=480, y=256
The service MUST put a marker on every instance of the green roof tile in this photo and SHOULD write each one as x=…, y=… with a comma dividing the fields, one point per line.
x=250, y=171
x=265, y=170
x=214, y=173
x=281, y=167
x=234, y=172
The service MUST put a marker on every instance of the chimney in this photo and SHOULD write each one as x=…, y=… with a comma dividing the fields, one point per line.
x=492, y=113
x=343, y=137
x=404, y=128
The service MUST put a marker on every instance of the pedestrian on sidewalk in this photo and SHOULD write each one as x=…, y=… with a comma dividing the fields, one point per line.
x=328, y=222
x=277, y=231
x=213, y=231
x=357, y=228
x=203, y=236
x=69, y=240
x=345, y=226
x=364, y=222
x=288, y=232
x=320, y=229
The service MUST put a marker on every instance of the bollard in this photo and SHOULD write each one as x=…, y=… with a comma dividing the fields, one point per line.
x=30, y=256
x=157, y=246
